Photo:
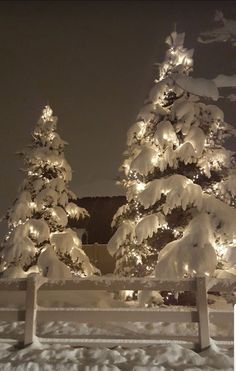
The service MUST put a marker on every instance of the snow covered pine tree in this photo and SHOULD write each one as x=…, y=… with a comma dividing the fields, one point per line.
x=179, y=219
x=39, y=239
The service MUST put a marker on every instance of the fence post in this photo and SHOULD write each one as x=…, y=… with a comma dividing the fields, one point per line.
x=30, y=309
x=202, y=307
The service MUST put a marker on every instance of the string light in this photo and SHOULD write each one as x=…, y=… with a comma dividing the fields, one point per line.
x=51, y=136
x=195, y=177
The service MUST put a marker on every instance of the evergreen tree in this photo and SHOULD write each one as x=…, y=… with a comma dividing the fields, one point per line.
x=39, y=239
x=179, y=178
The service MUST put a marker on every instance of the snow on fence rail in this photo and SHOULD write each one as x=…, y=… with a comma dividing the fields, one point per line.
x=33, y=312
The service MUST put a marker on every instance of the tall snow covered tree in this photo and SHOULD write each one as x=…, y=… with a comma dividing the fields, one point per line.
x=39, y=239
x=181, y=186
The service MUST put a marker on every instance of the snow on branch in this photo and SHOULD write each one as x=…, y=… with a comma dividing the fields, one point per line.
x=148, y=226
x=228, y=185
x=125, y=229
x=223, y=81
x=51, y=266
x=231, y=97
x=191, y=254
x=203, y=87
x=179, y=191
x=142, y=163
x=122, y=210
x=198, y=86
x=227, y=32
x=223, y=216
x=76, y=212
x=165, y=134
x=137, y=130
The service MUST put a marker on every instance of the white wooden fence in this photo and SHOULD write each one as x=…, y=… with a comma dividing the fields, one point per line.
x=33, y=313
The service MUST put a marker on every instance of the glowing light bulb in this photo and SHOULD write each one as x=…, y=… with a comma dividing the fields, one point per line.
x=186, y=267
x=53, y=213
x=32, y=205
x=34, y=233
x=47, y=114
x=140, y=186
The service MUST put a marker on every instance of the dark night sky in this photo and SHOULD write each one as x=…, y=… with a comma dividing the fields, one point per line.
x=93, y=62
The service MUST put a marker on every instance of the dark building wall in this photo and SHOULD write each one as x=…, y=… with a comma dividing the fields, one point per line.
x=100, y=257
x=101, y=210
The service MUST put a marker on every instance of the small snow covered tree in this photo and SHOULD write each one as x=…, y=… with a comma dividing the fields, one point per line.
x=39, y=239
x=179, y=178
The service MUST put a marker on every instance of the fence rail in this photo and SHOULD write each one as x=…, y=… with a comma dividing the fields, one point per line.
x=33, y=312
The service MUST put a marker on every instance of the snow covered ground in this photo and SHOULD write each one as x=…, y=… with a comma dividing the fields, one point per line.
x=66, y=355
x=161, y=357
x=58, y=357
